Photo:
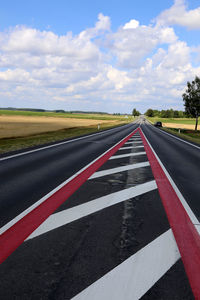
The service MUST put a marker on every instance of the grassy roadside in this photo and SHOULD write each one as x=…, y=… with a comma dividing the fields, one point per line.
x=12, y=144
x=189, y=135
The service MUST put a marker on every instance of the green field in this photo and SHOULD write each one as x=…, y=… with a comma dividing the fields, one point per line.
x=65, y=115
x=186, y=121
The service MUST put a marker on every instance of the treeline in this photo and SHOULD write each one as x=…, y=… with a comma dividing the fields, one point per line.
x=169, y=113
x=55, y=111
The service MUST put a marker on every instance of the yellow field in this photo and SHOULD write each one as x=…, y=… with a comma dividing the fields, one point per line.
x=19, y=126
x=183, y=126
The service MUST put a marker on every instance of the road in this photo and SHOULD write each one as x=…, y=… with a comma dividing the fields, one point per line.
x=111, y=239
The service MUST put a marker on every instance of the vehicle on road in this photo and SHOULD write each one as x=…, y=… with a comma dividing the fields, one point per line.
x=158, y=124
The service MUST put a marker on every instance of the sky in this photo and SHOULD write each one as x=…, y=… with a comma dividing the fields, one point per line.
x=105, y=55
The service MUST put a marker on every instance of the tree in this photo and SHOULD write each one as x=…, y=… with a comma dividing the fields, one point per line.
x=149, y=113
x=176, y=114
x=191, y=99
x=135, y=112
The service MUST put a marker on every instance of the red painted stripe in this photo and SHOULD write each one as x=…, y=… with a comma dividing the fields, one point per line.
x=15, y=235
x=185, y=233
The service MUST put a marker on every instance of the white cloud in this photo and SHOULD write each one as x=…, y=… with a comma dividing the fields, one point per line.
x=131, y=24
x=131, y=46
x=179, y=15
x=97, y=69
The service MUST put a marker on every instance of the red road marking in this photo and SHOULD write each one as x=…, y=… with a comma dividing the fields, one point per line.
x=185, y=233
x=15, y=235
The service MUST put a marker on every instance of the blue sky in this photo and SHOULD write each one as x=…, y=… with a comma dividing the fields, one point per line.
x=98, y=55
x=62, y=15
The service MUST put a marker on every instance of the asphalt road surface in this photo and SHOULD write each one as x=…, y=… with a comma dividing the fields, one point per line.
x=111, y=238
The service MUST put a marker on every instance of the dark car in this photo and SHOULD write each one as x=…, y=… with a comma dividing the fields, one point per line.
x=158, y=124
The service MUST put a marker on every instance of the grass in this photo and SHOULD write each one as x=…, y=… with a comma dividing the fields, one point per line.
x=189, y=135
x=64, y=115
x=186, y=121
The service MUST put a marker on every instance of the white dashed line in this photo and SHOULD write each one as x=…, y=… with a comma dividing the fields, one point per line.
x=136, y=275
x=133, y=143
x=69, y=215
x=131, y=147
x=127, y=155
x=119, y=169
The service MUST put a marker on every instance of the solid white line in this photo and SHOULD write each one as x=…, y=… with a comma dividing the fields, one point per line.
x=127, y=155
x=124, y=148
x=55, y=145
x=135, y=276
x=133, y=143
x=177, y=138
x=119, y=169
x=180, y=196
x=197, y=226
x=29, y=209
x=71, y=214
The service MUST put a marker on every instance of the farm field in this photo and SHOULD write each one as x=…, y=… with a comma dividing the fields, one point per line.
x=181, y=121
x=18, y=126
x=186, y=126
x=19, y=131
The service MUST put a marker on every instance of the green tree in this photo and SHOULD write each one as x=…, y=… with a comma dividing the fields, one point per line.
x=191, y=99
x=176, y=114
x=149, y=113
x=135, y=112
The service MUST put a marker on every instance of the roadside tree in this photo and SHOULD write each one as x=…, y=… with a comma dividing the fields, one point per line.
x=191, y=99
x=149, y=113
x=135, y=112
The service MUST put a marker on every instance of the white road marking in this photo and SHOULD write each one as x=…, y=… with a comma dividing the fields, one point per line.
x=127, y=155
x=119, y=169
x=29, y=209
x=135, y=276
x=131, y=147
x=133, y=143
x=54, y=145
x=190, y=213
x=135, y=139
x=177, y=138
x=71, y=214
x=197, y=226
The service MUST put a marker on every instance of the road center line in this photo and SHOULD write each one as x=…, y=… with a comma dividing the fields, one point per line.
x=69, y=215
x=127, y=155
x=119, y=169
x=136, y=275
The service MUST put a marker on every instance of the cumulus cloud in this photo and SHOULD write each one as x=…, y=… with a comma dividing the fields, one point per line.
x=131, y=44
x=96, y=69
x=178, y=14
x=131, y=24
